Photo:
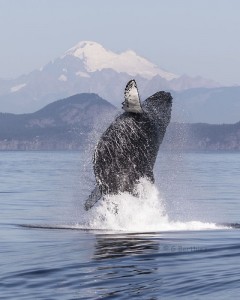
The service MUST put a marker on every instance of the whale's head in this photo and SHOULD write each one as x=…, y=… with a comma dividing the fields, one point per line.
x=158, y=107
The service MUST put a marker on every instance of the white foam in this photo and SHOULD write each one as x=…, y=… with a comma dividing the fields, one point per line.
x=145, y=213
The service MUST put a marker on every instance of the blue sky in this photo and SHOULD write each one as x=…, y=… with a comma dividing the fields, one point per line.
x=194, y=37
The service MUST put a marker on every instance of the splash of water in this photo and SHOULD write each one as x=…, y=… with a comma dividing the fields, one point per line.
x=145, y=213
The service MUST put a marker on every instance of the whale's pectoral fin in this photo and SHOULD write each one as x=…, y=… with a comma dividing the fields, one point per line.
x=93, y=198
x=132, y=101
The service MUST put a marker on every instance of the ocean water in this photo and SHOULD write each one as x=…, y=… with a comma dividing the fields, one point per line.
x=178, y=240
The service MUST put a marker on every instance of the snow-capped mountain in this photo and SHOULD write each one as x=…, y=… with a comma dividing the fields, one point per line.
x=89, y=67
x=96, y=58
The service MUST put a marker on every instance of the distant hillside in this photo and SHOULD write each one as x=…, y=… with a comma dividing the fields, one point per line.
x=203, y=137
x=203, y=105
x=63, y=124
x=78, y=121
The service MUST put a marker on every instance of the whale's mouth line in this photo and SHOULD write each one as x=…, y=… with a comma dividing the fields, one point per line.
x=87, y=228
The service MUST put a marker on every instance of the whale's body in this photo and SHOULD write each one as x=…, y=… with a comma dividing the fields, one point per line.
x=127, y=150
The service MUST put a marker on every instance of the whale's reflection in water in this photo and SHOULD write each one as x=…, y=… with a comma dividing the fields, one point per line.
x=127, y=262
x=112, y=246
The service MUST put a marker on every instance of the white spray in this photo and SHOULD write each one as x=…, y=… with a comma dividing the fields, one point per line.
x=145, y=213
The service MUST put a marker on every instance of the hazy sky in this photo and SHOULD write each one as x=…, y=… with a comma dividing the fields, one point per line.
x=194, y=37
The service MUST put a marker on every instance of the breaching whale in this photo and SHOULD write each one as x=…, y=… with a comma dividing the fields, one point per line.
x=127, y=150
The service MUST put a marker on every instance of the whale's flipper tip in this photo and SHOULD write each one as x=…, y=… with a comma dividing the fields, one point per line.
x=93, y=198
x=131, y=98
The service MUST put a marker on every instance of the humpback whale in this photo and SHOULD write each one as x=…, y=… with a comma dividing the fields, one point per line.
x=127, y=150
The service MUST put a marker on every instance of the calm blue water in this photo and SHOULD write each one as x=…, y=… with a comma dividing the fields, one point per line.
x=170, y=244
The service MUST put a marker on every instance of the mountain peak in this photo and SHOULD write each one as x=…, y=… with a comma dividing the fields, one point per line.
x=96, y=58
x=84, y=48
